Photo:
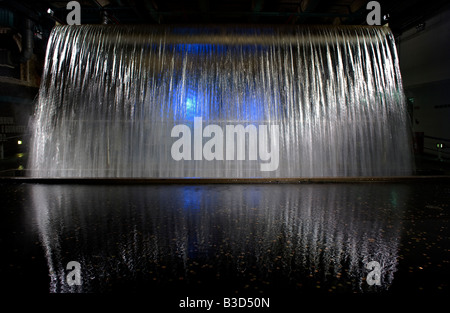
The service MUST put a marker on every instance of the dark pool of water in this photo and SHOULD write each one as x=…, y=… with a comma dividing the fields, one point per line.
x=227, y=240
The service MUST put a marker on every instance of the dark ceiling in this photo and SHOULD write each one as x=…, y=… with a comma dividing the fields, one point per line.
x=400, y=15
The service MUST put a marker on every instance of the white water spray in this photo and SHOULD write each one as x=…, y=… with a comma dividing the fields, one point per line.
x=111, y=95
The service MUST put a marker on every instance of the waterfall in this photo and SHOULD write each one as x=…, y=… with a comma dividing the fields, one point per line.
x=220, y=102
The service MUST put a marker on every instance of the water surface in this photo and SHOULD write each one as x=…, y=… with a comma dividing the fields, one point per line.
x=229, y=239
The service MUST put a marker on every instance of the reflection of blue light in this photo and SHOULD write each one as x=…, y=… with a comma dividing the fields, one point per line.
x=394, y=198
x=191, y=198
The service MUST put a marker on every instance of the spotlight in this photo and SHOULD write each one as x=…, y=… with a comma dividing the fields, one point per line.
x=19, y=142
x=50, y=11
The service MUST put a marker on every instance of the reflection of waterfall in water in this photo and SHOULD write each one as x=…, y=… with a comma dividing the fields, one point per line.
x=262, y=236
x=110, y=96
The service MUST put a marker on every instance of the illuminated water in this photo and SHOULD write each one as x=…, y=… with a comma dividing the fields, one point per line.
x=110, y=96
x=223, y=237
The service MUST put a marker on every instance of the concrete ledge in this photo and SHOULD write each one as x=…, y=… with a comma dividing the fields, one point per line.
x=203, y=181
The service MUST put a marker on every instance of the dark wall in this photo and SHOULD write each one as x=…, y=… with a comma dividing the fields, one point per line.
x=424, y=54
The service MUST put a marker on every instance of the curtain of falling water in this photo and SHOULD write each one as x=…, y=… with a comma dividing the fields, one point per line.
x=110, y=96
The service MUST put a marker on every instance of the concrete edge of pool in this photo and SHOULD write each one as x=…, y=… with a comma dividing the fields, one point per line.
x=196, y=180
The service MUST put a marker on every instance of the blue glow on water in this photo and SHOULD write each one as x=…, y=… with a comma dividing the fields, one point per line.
x=202, y=49
x=196, y=48
x=190, y=196
x=191, y=104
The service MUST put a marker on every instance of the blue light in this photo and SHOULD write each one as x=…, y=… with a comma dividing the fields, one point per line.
x=191, y=105
x=190, y=197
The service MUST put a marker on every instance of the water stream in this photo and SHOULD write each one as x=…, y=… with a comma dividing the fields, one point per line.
x=303, y=102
